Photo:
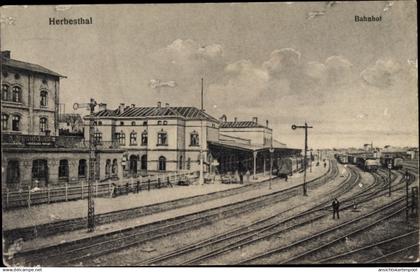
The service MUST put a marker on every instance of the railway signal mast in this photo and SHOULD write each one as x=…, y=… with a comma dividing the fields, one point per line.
x=304, y=157
x=92, y=161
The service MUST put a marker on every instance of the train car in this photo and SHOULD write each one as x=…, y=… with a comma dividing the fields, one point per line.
x=360, y=162
x=342, y=159
x=351, y=159
x=371, y=164
x=396, y=163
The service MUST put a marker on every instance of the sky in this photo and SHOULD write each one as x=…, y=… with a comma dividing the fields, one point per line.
x=289, y=63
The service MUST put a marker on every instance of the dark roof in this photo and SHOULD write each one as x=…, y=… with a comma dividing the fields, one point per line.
x=189, y=113
x=69, y=117
x=241, y=124
x=28, y=66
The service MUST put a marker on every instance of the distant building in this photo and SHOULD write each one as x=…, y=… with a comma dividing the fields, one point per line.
x=70, y=124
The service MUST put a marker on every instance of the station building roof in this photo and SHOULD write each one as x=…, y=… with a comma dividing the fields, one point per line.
x=241, y=124
x=188, y=113
x=22, y=65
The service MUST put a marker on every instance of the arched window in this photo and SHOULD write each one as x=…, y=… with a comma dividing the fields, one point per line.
x=13, y=171
x=133, y=138
x=162, y=138
x=63, y=169
x=4, y=92
x=133, y=123
x=16, y=123
x=133, y=164
x=17, y=94
x=189, y=164
x=40, y=170
x=162, y=163
x=144, y=162
x=144, y=138
x=107, y=168
x=82, y=168
x=43, y=124
x=44, y=98
x=4, y=121
x=194, y=139
x=115, y=167
x=180, y=162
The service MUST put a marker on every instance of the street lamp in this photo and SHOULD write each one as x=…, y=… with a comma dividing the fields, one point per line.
x=304, y=157
x=92, y=161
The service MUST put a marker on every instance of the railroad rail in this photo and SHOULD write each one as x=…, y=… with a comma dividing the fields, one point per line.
x=70, y=252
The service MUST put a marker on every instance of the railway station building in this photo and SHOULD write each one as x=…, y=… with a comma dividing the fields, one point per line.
x=32, y=149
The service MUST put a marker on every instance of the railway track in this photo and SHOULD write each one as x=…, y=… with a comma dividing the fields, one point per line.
x=320, y=238
x=298, y=250
x=73, y=252
x=363, y=254
x=254, y=232
x=250, y=233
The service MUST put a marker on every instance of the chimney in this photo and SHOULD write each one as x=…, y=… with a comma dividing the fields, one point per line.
x=121, y=107
x=223, y=118
x=159, y=104
x=126, y=108
x=255, y=119
x=167, y=105
x=102, y=106
x=235, y=119
x=266, y=123
x=5, y=54
x=133, y=105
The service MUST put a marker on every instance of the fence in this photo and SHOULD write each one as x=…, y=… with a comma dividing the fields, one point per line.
x=26, y=198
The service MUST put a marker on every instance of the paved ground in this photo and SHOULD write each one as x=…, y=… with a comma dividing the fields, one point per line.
x=65, y=210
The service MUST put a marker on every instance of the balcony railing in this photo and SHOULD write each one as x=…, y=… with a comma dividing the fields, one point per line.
x=53, y=141
x=28, y=140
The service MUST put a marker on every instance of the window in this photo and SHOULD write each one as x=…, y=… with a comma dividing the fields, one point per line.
x=16, y=123
x=165, y=123
x=40, y=170
x=43, y=124
x=162, y=138
x=159, y=122
x=17, y=94
x=120, y=137
x=133, y=138
x=162, y=163
x=44, y=98
x=82, y=168
x=144, y=162
x=194, y=139
x=4, y=121
x=144, y=138
x=97, y=137
x=114, y=166
x=122, y=123
x=180, y=162
x=144, y=123
x=133, y=123
x=99, y=123
x=13, y=171
x=133, y=164
x=189, y=164
x=63, y=169
x=107, y=168
x=4, y=92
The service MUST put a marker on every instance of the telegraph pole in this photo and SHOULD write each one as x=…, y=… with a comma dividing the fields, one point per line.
x=389, y=178
x=407, y=180
x=92, y=161
x=304, y=157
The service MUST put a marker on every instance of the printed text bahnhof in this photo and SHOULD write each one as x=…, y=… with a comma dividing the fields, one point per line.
x=65, y=21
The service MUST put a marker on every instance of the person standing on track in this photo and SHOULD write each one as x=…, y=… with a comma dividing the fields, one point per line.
x=336, y=208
